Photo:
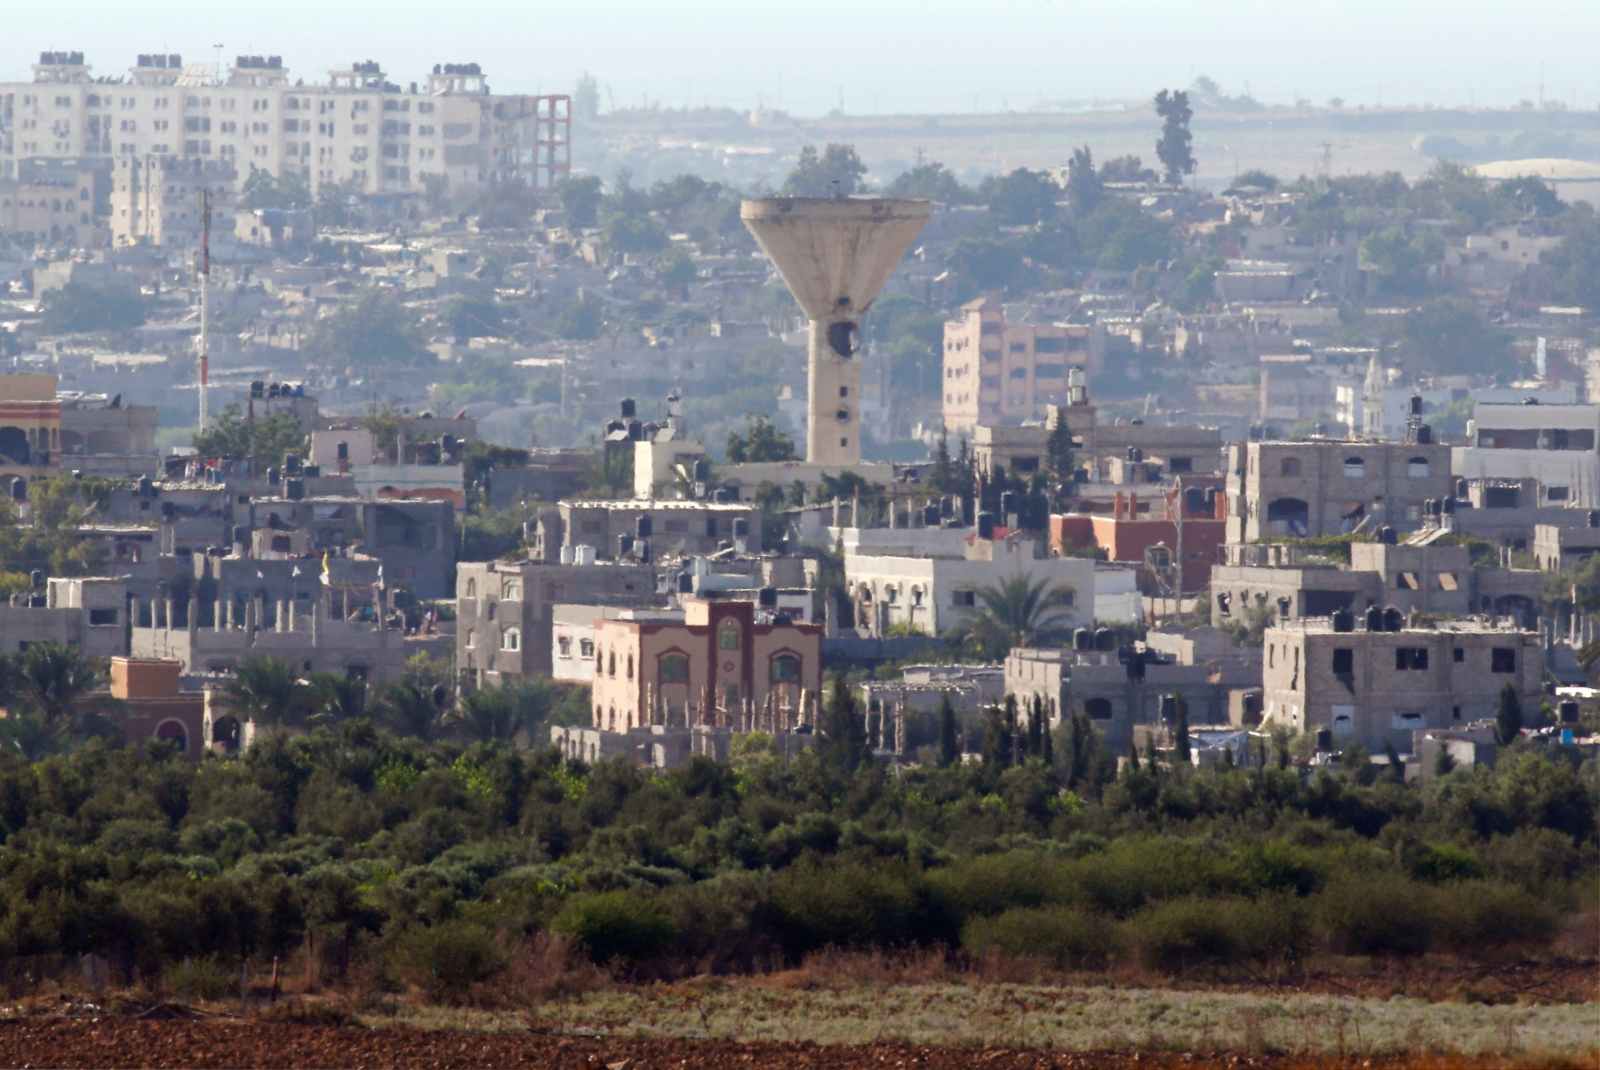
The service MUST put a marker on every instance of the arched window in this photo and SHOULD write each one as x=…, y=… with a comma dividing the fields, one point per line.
x=611, y=664
x=673, y=668
x=1098, y=708
x=785, y=669
x=630, y=666
x=173, y=731
x=728, y=638
x=891, y=594
x=1417, y=468
x=1355, y=468
x=1289, y=466
x=511, y=639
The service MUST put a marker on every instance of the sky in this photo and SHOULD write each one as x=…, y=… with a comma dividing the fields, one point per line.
x=875, y=56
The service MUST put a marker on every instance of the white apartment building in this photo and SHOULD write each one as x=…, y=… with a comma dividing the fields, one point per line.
x=1558, y=445
x=356, y=126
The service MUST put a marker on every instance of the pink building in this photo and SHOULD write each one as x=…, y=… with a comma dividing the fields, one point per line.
x=717, y=665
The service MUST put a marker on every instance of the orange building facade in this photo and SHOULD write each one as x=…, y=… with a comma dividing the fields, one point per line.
x=716, y=666
x=1144, y=530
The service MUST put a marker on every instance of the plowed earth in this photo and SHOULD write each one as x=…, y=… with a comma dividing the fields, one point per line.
x=121, y=1042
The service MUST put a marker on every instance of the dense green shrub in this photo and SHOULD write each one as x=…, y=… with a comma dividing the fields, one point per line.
x=448, y=959
x=1067, y=936
x=616, y=927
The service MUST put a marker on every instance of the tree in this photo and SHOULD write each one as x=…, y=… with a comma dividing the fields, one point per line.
x=1022, y=198
x=586, y=97
x=762, y=443
x=415, y=710
x=263, y=189
x=1508, y=721
x=1126, y=169
x=267, y=439
x=1402, y=261
x=267, y=690
x=580, y=320
x=1257, y=178
x=1016, y=613
x=76, y=307
x=1180, y=726
x=1059, y=454
x=990, y=264
x=1173, y=149
x=1120, y=236
x=55, y=681
x=338, y=203
x=627, y=233
x=581, y=198
x=837, y=172
x=336, y=697
x=474, y=317
x=1451, y=335
x=844, y=736
x=611, y=475
x=930, y=181
x=675, y=271
x=1574, y=266
x=373, y=333
x=493, y=714
x=949, y=733
x=1085, y=188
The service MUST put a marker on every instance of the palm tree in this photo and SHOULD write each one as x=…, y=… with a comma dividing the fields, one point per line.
x=54, y=680
x=1017, y=613
x=611, y=475
x=267, y=690
x=416, y=711
x=338, y=698
x=492, y=714
x=33, y=735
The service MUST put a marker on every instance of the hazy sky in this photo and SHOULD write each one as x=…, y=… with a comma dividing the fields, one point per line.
x=885, y=57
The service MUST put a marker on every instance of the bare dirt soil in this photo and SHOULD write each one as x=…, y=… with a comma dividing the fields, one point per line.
x=123, y=1042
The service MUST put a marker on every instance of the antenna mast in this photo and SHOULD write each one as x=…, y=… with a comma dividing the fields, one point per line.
x=205, y=300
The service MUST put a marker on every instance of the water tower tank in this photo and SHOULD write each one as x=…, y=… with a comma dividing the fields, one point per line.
x=835, y=254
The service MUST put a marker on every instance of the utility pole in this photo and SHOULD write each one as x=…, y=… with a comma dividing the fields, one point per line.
x=1178, y=594
x=205, y=300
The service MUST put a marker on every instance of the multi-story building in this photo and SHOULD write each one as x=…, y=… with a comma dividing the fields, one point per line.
x=1173, y=450
x=1331, y=487
x=1557, y=445
x=1429, y=577
x=1381, y=686
x=714, y=662
x=999, y=374
x=930, y=586
x=504, y=610
x=89, y=613
x=1173, y=542
x=155, y=200
x=357, y=127
x=30, y=425
x=50, y=201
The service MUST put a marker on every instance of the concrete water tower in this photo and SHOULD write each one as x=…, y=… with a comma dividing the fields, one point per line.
x=835, y=254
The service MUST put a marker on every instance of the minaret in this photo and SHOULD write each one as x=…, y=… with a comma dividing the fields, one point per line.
x=1372, y=400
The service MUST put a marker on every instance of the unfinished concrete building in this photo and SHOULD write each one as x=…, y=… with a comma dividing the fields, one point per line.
x=1331, y=487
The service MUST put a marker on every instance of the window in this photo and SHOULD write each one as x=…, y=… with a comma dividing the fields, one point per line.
x=785, y=669
x=1503, y=659
x=513, y=589
x=1098, y=709
x=1181, y=464
x=611, y=664
x=564, y=646
x=1049, y=371
x=1289, y=466
x=1410, y=657
x=891, y=594
x=1344, y=720
x=730, y=696
x=1555, y=494
x=511, y=639
x=586, y=648
x=1019, y=373
x=1459, y=655
x=673, y=668
x=472, y=588
x=1355, y=468
x=1417, y=468
x=1344, y=660
x=1049, y=345
x=472, y=639
x=102, y=616
x=728, y=638
x=964, y=598
x=630, y=666
x=1406, y=581
x=1019, y=347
